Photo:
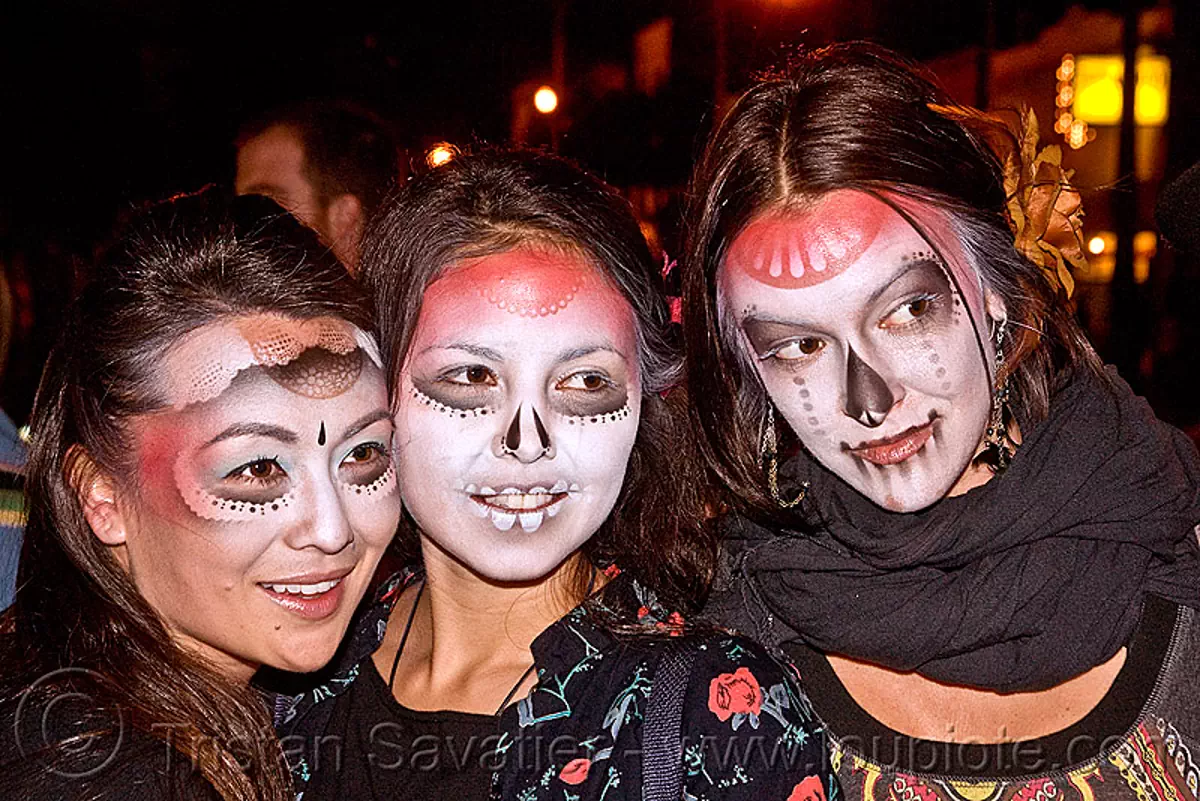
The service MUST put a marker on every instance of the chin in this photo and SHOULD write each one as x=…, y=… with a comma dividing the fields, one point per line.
x=905, y=499
x=304, y=660
x=515, y=568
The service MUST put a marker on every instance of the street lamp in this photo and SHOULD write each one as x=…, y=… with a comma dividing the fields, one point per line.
x=545, y=100
x=440, y=154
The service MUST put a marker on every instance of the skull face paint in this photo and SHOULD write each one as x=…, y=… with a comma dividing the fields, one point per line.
x=514, y=427
x=261, y=512
x=872, y=360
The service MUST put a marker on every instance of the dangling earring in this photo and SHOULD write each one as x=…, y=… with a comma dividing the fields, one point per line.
x=995, y=449
x=770, y=461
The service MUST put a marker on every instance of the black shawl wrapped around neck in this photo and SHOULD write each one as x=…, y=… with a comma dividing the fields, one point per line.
x=1020, y=584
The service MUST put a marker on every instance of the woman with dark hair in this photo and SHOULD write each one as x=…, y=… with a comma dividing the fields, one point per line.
x=210, y=490
x=544, y=478
x=964, y=530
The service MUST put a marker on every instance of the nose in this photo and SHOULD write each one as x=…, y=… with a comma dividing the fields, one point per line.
x=326, y=527
x=868, y=397
x=525, y=437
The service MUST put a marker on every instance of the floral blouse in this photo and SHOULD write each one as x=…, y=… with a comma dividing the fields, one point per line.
x=748, y=731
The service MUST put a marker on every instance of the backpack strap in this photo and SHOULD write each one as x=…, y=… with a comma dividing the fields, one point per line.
x=662, y=732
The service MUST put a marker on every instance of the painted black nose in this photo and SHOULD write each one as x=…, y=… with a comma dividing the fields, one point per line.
x=510, y=443
x=868, y=399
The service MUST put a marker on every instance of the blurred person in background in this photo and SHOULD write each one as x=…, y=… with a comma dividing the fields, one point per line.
x=326, y=162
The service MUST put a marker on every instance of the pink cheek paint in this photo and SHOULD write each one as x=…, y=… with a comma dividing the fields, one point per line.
x=156, y=464
x=798, y=251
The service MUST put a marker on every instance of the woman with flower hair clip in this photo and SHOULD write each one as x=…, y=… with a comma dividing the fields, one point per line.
x=976, y=543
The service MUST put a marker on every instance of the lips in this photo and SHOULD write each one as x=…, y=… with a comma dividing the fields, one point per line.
x=311, y=597
x=894, y=450
x=527, y=505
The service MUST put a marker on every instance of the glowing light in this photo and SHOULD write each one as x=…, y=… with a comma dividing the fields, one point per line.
x=1099, y=89
x=545, y=100
x=1145, y=246
x=440, y=153
x=1102, y=248
x=1077, y=135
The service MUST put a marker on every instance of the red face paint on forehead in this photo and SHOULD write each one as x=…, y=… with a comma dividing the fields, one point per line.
x=793, y=251
x=525, y=282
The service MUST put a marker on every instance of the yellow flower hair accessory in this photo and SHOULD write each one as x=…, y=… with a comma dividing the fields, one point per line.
x=1043, y=209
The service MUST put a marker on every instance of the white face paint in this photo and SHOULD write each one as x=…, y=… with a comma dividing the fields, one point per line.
x=517, y=411
x=265, y=494
x=862, y=342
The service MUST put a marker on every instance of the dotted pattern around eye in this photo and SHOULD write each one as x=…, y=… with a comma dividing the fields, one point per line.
x=211, y=507
x=381, y=487
x=480, y=411
x=589, y=419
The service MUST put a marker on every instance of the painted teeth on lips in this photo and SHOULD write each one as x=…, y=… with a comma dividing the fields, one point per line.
x=304, y=589
x=528, y=506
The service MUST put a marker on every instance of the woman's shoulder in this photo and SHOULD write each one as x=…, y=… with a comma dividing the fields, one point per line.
x=741, y=682
x=748, y=730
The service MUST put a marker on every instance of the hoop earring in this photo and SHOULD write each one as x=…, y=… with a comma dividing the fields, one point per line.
x=770, y=461
x=996, y=453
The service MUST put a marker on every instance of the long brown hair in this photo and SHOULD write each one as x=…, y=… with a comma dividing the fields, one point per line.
x=79, y=624
x=492, y=201
x=851, y=116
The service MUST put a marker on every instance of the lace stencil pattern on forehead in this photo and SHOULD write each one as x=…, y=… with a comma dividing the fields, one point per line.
x=210, y=358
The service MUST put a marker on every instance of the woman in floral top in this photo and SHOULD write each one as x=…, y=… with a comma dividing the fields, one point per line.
x=537, y=644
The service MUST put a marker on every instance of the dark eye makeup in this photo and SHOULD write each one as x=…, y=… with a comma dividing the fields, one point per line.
x=365, y=463
x=589, y=393
x=260, y=480
x=463, y=388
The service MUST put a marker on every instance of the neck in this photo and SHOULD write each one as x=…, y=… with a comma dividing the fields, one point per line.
x=467, y=621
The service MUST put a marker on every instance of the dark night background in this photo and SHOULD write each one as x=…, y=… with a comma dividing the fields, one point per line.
x=109, y=104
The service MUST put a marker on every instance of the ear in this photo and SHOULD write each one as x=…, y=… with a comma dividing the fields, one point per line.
x=996, y=308
x=345, y=218
x=97, y=494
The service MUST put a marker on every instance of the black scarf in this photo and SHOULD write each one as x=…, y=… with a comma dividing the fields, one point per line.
x=1019, y=584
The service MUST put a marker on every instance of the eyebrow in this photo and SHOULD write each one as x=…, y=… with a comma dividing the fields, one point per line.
x=364, y=421
x=254, y=430
x=474, y=350
x=920, y=264
x=587, y=350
